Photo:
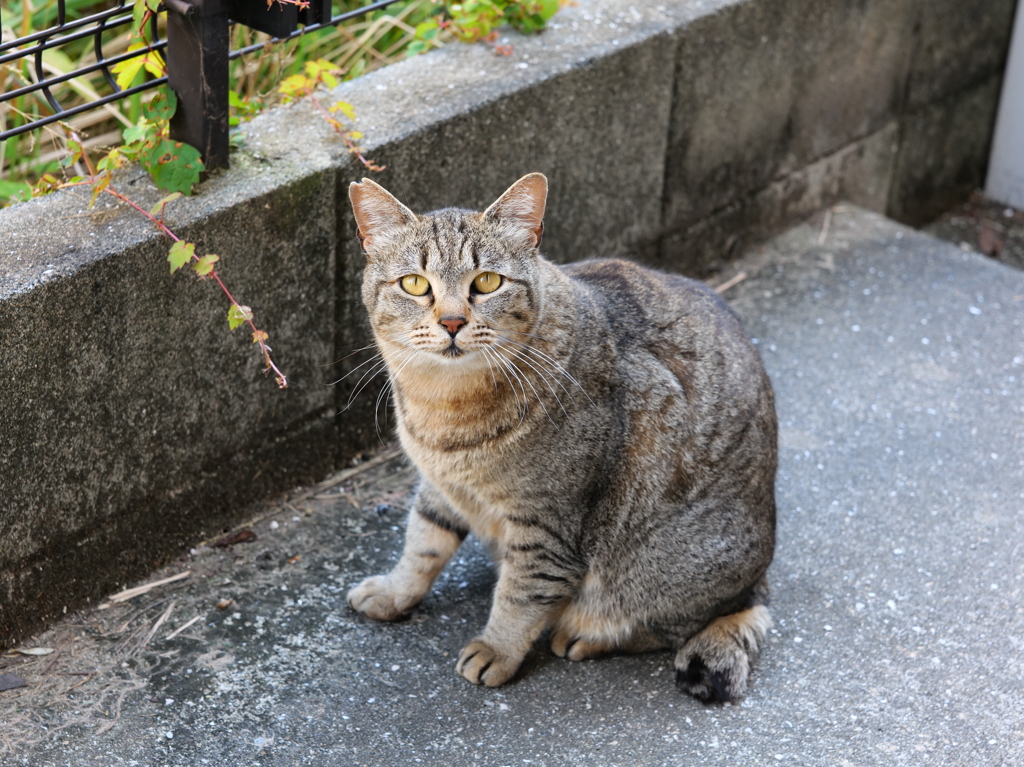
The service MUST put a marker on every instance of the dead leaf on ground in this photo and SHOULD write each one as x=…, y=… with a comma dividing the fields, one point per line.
x=990, y=242
x=11, y=682
x=224, y=604
x=240, y=536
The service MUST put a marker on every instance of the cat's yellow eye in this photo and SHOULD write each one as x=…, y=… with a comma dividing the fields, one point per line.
x=488, y=282
x=415, y=285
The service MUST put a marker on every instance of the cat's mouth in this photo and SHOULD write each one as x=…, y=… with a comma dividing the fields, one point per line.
x=452, y=350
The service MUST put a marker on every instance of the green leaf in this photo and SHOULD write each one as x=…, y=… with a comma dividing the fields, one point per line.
x=98, y=187
x=135, y=133
x=126, y=72
x=173, y=165
x=159, y=207
x=162, y=106
x=238, y=315
x=15, y=190
x=138, y=17
x=181, y=253
x=357, y=69
x=345, y=108
x=205, y=264
x=76, y=154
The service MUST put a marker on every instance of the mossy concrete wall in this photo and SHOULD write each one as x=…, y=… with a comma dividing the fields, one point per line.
x=133, y=423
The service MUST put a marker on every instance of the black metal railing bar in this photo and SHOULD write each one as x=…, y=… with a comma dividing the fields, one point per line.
x=198, y=29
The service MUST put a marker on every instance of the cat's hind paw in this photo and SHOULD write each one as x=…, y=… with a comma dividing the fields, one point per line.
x=482, y=664
x=565, y=645
x=714, y=685
x=377, y=598
x=714, y=665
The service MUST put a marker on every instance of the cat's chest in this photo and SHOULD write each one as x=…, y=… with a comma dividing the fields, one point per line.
x=479, y=491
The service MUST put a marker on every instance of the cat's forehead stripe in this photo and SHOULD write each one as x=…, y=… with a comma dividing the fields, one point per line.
x=451, y=246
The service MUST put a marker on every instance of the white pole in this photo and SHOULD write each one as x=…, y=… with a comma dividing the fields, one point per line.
x=1005, y=182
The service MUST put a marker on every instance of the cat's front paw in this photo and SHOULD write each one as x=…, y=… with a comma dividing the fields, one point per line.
x=378, y=597
x=482, y=664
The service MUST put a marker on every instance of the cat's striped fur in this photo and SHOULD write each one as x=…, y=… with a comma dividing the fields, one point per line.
x=608, y=430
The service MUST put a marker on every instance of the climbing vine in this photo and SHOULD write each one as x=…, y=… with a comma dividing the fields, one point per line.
x=176, y=167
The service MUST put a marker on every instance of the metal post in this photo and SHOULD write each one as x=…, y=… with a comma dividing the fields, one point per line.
x=197, y=66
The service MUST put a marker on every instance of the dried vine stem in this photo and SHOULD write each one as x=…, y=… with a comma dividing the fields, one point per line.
x=259, y=336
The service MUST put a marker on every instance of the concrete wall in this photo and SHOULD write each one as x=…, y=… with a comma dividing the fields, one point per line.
x=132, y=423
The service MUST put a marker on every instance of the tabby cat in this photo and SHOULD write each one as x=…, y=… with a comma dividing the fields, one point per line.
x=608, y=430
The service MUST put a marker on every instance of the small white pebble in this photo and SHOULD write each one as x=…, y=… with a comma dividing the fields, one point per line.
x=798, y=639
x=169, y=701
x=169, y=735
x=295, y=519
x=395, y=668
x=827, y=627
x=974, y=310
x=891, y=605
x=273, y=524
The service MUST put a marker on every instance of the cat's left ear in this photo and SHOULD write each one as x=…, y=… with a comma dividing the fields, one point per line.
x=522, y=207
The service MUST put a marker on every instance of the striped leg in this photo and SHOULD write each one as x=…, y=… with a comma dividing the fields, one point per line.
x=433, y=536
x=538, y=576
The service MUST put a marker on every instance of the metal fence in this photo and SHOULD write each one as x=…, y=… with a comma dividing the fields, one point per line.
x=197, y=53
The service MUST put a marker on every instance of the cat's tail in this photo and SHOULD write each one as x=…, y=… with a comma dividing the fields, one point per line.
x=714, y=664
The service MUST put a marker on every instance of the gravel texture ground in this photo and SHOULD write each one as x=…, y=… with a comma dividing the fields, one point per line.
x=984, y=226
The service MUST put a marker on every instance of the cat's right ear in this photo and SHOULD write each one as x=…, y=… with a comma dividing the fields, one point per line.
x=378, y=213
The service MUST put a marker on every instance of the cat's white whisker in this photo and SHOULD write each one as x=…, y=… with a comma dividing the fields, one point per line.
x=351, y=354
x=502, y=367
x=518, y=373
x=373, y=372
x=545, y=367
x=376, y=356
x=490, y=368
x=389, y=387
x=521, y=333
x=551, y=361
x=543, y=377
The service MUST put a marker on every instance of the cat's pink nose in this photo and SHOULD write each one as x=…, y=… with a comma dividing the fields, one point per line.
x=452, y=324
